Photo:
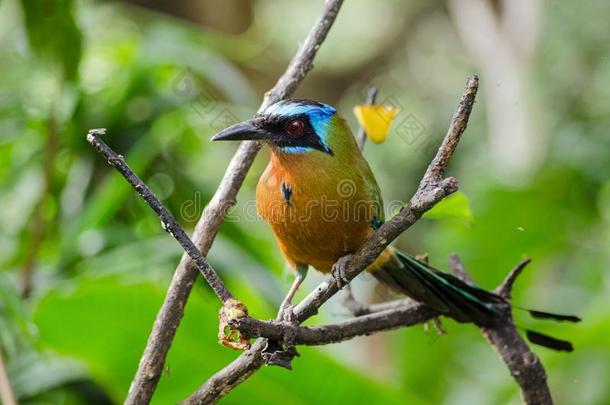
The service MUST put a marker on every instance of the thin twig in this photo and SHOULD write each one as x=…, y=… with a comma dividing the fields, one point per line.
x=431, y=190
x=358, y=308
x=7, y=396
x=168, y=222
x=458, y=269
x=229, y=377
x=302, y=62
x=506, y=287
x=522, y=363
x=169, y=316
x=457, y=126
x=370, y=100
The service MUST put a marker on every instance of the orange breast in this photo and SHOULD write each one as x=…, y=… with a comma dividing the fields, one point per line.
x=317, y=215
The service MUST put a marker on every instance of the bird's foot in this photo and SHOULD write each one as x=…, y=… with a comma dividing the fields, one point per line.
x=286, y=313
x=277, y=354
x=281, y=353
x=228, y=337
x=339, y=271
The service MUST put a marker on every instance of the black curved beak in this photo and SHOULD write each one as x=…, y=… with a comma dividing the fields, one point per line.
x=242, y=131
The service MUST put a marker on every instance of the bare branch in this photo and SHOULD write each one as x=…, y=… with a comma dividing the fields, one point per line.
x=431, y=190
x=170, y=314
x=406, y=314
x=409, y=313
x=221, y=383
x=168, y=222
x=370, y=99
x=522, y=363
x=458, y=269
x=458, y=124
x=505, y=289
x=7, y=396
x=357, y=308
x=302, y=62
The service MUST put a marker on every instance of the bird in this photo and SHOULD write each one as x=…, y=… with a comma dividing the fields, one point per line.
x=322, y=201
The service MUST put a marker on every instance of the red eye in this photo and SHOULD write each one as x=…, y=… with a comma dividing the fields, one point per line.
x=294, y=127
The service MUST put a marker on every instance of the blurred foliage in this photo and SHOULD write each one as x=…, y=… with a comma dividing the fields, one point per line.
x=100, y=262
x=52, y=33
x=454, y=206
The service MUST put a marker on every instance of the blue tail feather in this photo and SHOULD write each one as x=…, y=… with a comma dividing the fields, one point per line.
x=461, y=301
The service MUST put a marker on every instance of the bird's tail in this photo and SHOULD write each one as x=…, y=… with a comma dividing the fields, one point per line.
x=453, y=297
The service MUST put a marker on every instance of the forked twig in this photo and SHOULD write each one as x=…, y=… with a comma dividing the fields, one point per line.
x=522, y=363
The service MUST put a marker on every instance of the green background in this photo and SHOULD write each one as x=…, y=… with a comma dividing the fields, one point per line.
x=533, y=168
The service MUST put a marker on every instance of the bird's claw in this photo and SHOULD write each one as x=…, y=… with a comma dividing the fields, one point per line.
x=228, y=337
x=281, y=353
x=286, y=313
x=339, y=271
x=276, y=354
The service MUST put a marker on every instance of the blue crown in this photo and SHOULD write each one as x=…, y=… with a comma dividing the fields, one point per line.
x=319, y=116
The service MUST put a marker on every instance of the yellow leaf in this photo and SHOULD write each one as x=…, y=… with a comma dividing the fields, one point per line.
x=376, y=120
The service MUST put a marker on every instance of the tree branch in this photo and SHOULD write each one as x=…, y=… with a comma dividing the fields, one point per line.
x=170, y=314
x=7, y=396
x=431, y=190
x=506, y=287
x=168, y=222
x=524, y=366
x=357, y=308
x=402, y=315
x=370, y=100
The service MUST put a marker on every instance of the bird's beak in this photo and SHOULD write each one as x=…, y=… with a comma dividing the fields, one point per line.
x=243, y=131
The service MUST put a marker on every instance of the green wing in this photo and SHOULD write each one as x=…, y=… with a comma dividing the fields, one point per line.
x=372, y=191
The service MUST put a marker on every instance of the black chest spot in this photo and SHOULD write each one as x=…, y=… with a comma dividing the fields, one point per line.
x=286, y=191
x=376, y=223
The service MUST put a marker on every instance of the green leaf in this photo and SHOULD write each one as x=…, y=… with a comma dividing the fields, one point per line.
x=454, y=206
x=105, y=322
x=53, y=33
